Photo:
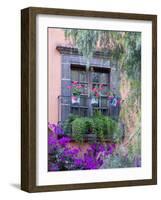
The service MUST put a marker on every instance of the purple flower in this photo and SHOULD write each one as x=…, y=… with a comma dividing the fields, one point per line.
x=90, y=163
x=64, y=140
x=137, y=161
x=51, y=139
x=111, y=148
x=94, y=146
x=53, y=167
x=101, y=148
x=78, y=162
x=74, y=151
x=58, y=130
x=55, y=128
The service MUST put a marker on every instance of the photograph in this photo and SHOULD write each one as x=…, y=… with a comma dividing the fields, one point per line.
x=94, y=99
x=89, y=99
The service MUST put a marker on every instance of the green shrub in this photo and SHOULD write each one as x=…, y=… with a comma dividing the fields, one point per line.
x=102, y=126
x=105, y=127
x=67, y=126
x=78, y=129
x=89, y=124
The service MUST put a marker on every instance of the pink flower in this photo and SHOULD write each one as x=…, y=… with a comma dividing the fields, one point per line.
x=65, y=83
x=75, y=82
x=94, y=89
x=69, y=86
x=110, y=97
x=79, y=87
x=97, y=95
x=101, y=88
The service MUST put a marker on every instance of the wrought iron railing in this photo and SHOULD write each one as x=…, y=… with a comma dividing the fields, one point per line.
x=85, y=106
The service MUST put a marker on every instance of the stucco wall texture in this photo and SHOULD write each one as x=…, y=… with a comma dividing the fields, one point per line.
x=55, y=38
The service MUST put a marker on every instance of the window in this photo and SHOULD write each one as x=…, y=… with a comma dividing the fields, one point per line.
x=94, y=78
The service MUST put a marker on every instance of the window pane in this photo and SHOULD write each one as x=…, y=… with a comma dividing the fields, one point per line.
x=103, y=78
x=95, y=77
x=74, y=75
x=103, y=102
x=104, y=89
x=84, y=89
x=84, y=101
x=83, y=76
x=66, y=100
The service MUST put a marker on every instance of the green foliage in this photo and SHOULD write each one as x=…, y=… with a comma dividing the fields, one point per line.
x=135, y=148
x=76, y=92
x=102, y=126
x=117, y=161
x=85, y=40
x=124, y=47
x=67, y=126
x=126, y=156
x=105, y=126
x=89, y=124
x=78, y=129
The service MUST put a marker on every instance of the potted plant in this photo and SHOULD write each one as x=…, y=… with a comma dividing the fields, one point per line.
x=76, y=92
x=95, y=94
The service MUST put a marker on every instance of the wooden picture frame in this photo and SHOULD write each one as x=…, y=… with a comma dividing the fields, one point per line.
x=28, y=98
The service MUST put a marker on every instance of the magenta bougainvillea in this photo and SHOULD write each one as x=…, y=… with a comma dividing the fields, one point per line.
x=62, y=157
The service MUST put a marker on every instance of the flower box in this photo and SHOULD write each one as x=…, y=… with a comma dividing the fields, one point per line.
x=94, y=101
x=75, y=100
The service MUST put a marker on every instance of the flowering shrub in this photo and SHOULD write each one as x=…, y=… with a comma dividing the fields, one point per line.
x=62, y=157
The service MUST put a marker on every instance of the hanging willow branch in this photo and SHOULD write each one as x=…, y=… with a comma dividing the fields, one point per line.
x=125, y=47
x=85, y=41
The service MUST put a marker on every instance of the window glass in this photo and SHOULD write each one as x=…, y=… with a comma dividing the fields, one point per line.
x=95, y=77
x=103, y=78
x=83, y=76
x=74, y=75
x=97, y=80
x=104, y=89
x=84, y=89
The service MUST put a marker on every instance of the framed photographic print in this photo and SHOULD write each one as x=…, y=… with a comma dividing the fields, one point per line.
x=88, y=99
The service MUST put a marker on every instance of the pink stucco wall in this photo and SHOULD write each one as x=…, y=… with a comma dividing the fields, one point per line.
x=55, y=37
